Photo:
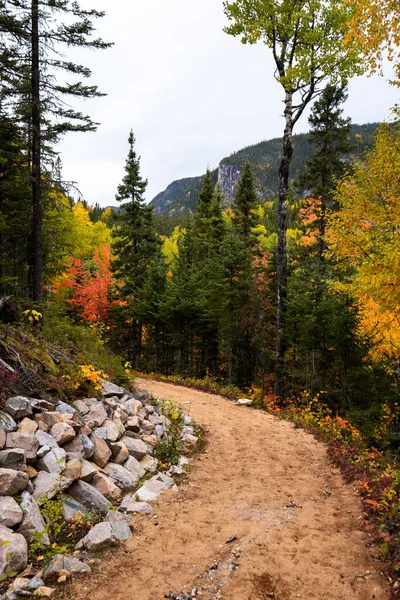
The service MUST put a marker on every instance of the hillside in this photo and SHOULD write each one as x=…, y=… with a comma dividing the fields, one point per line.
x=181, y=195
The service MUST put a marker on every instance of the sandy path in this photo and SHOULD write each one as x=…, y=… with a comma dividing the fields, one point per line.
x=264, y=482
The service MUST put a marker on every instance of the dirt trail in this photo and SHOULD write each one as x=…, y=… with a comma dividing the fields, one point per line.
x=263, y=482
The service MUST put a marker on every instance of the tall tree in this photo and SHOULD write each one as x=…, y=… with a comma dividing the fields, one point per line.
x=330, y=136
x=306, y=40
x=43, y=29
x=244, y=204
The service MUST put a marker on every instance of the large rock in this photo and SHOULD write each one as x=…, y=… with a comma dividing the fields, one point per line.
x=13, y=551
x=80, y=447
x=133, y=424
x=18, y=407
x=10, y=512
x=12, y=482
x=110, y=389
x=131, y=407
x=124, y=478
x=13, y=459
x=29, y=443
x=51, y=418
x=48, y=485
x=3, y=438
x=45, y=439
x=62, y=433
x=102, y=452
x=65, y=409
x=106, y=486
x=190, y=440
x=27, y=426
x=60, y=563
x=73, y=469
x=119, y=452
x=135, y=468
x=53, y=462
x=88, y=471
x=131, y=506
x=141, y=395
x=87, y=495
x=136, y=448
x=7, y=423
x=119, y=525
x=152, y=488
x=96, y=416
x=108, y=431
x=33, y=524
x=101, y=536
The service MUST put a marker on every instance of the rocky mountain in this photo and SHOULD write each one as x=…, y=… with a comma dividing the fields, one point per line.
x=181, y=195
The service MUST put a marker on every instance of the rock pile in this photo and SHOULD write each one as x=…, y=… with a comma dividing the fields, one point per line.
x=92, y=454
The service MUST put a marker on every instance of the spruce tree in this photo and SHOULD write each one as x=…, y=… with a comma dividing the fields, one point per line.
x=245, y=202
x=137, y=250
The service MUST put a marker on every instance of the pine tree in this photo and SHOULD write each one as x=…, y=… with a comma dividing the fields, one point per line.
x=34, y=35
x=245, y=202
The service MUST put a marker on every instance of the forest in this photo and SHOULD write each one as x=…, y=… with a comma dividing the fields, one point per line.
x=286, y=296
x=295, y=295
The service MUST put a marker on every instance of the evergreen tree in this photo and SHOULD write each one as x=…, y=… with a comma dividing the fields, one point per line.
x=245, y=202
x=137, y=250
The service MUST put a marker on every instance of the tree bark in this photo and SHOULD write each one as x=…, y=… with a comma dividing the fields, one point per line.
x=37, y=225
x=284, y=170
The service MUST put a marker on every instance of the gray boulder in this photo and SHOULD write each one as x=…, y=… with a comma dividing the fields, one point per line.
x=18, y=407
x=13, y=459
x=106, y=486
x=53, y=462
x=119, y=525
x=96, y=416
x=101, y=536
x=102, y=452
x=10, y=512
x=71, y=508
x=80, y=447
x=48, y=485
x=87, y=495
x=131, y=506
x=13, y=551
x=135, y=468
x=136, y=448
x=29, y=443
x=65, y=409
x=124, y=478
x=149, y=464
x=88, y=470
x=62, y=433
x=110, y=389
x=33, y=524
x=45, y=439
x=12, y=482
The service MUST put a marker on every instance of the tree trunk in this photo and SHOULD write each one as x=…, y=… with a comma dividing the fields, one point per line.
x=284, y=170
x=37, y=233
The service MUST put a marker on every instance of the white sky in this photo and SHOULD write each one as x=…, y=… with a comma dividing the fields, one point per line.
x=191, y=94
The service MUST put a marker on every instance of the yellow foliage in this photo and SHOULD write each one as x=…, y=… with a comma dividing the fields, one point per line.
x=364, y=235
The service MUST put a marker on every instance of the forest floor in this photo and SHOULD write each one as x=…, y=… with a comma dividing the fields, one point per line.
x=263, y=514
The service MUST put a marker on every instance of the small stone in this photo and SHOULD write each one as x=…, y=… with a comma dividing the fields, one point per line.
x=12, y=482
x=31, y=472
x=10, y=512
x=133, y=424
x=135, y=467
x=151, y=440
x=32, y=524
x=110, y=389
x=53, y=462
x=101, y=536
x=18, y=407
x=62, y=579
x=73, y=469
x=27, y=426
x=191, y=440
x=13, y=551
x=62, y=433
x=45, y=439
x=102, y=452
x=136, y=448
x=29, y=443
x=80, y=447
x=131, y=506
x=107, y=486
x=13, y=459
x=244, y=402
x=60, y=565
x=3, y=437
x=124, y=478
x=88, y=471
x=44, y=592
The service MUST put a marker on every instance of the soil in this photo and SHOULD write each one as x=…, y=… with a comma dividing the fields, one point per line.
x=263, y=514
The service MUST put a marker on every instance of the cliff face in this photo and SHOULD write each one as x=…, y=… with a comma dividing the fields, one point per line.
x=228, y=178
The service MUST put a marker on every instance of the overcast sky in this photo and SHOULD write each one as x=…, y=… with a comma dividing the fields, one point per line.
x=191, y=94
